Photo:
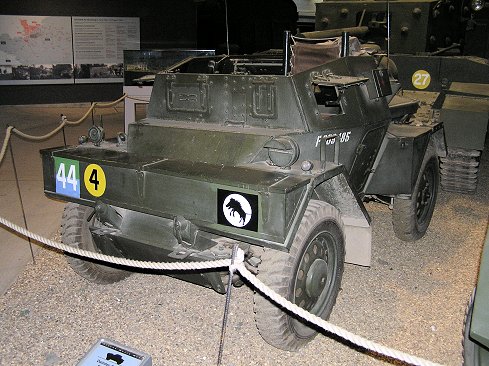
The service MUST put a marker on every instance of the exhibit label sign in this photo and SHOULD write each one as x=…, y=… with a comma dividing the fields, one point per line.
x=98, y=44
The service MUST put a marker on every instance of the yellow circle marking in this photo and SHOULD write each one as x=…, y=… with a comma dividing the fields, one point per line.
x=421, y=79
x=94, y=178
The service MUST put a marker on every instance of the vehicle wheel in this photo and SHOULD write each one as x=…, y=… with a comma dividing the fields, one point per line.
x=75, y=232
x=309, y=276
x=411, y=217
x=471, y=350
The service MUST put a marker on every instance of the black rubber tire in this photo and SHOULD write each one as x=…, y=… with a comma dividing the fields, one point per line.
x=75, y=232
x=316, y=257
x=411, y=217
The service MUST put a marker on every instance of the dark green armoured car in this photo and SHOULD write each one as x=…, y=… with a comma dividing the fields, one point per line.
x=476, y=327
x=234, y=151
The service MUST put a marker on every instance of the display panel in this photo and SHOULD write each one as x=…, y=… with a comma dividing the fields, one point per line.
x=64, y=50
x=98, y=44
x=35, y=50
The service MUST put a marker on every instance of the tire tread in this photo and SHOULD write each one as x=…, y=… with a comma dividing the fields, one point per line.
x=73, y=233
x=272, y=322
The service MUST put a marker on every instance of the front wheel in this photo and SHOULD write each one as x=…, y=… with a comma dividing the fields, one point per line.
x=75, y=231
x=309, y=276
x=411, y=217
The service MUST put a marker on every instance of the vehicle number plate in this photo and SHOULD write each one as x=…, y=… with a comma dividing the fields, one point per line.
x=67, y=177
x=75, y=179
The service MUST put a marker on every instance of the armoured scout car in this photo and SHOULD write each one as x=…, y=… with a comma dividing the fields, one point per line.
x=476, y=324
x=234, y=150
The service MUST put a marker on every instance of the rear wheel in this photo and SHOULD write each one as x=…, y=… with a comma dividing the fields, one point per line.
x=75, y=231
x=309, y=276
x=411, y=217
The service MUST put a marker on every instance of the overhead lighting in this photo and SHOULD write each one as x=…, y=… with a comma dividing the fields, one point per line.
x=477, y=5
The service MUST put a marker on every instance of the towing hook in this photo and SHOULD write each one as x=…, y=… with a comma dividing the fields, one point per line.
x=182, y=230
x=107, y=215
x=177, y=229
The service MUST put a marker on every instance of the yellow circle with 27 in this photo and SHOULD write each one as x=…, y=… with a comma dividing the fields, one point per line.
x=421, y=79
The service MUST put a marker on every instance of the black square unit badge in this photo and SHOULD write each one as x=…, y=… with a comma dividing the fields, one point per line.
x=237, y=209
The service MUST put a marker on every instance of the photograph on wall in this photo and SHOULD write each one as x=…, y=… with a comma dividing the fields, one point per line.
x=140, y=66
x=35, y=50
x=99, y=44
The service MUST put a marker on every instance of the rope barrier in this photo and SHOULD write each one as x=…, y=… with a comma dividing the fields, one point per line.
x=138, y=99
x=331, y=328
x=173, y=266
x=236, y=266
x=64, y=122
x=96, y=105
x=5, y=143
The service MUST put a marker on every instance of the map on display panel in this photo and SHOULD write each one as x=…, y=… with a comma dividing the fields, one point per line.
x=35, y=49
x=64, y=50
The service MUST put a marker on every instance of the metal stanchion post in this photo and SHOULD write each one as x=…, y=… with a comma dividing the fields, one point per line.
x=20, y=199
x=226, y=307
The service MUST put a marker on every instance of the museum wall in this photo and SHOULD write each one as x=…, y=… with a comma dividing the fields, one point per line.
x=163, y=24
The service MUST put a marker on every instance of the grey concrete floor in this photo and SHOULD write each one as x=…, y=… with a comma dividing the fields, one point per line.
x=42, y=214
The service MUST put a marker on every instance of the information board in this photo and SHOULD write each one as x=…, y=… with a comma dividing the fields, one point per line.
x=98, y=44
x=53, y=50
x=35, y=50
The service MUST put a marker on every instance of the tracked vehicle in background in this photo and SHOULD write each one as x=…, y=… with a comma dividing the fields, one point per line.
x=235, y=150
x=441, y=49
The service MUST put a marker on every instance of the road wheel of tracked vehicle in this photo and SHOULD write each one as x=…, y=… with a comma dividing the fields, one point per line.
x=75, y=232
x=309, y=276
x=411, y=217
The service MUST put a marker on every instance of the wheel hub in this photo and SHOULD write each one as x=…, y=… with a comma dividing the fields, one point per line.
x=424, y=195
x=316, y=278
x=313, y=275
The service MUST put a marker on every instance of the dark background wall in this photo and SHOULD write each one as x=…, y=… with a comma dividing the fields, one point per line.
x=254, y=25
x=163, y=24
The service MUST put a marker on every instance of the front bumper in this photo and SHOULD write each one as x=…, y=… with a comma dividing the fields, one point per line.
x=256, y=204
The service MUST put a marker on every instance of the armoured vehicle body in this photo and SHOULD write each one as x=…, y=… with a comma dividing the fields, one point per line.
x=476, y=326
x=441, y=50
x=416, y=26
x=235, y=152
x=453, y=90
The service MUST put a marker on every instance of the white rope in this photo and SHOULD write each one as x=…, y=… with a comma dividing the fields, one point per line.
x=64, y=122
x=138, y=99
x=176, y=266
x=241, y=269
x=357, y=340
x=5, y=142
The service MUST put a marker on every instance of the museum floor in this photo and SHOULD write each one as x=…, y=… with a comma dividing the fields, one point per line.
x=412, y=298
x=42, y=215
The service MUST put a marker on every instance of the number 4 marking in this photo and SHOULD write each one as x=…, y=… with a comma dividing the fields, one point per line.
x=60, y=176
x=72, y=177
x=93, y=179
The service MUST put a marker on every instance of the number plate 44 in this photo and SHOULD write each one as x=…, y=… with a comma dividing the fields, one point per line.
x=68, y=175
